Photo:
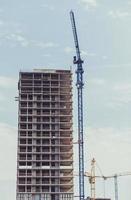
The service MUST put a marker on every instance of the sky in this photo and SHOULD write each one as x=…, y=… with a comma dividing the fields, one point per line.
x=38, y=34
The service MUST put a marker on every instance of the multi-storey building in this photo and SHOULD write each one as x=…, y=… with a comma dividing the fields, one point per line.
x=45, y=147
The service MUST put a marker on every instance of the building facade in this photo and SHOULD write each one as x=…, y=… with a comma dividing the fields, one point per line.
x=45, y=140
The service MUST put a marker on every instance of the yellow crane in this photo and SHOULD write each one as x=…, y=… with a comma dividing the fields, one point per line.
x=92, y=179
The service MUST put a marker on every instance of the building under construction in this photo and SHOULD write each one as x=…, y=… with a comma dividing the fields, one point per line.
x=45, y=146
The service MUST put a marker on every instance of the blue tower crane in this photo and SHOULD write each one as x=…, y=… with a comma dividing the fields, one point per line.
x=78, y=61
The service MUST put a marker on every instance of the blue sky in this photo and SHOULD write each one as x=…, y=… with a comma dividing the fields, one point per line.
x=38, y=34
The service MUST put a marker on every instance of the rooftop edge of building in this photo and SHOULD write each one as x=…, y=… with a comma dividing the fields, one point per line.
x=47, y=71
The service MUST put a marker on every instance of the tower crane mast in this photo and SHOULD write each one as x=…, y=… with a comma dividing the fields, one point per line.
x=78, y=61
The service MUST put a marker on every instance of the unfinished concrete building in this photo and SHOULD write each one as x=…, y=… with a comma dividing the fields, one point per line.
x=45, y=147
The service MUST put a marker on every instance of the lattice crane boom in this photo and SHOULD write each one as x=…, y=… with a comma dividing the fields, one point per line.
x=78, y=61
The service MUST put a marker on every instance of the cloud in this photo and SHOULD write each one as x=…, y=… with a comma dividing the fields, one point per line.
x=8, y=90
x=97, y=81
x=46, y=55
x=104, y=57
x=68, y=50
x=7, y=129
x=121, y=95
x=123, y=87
x=1, y=10
x=117, y=14
x=7, y=190
x=108, y=145
x=44, y=45
x=2, y=98
x=19, y=39
x=49, y=7
x=89, y=4
x=7, y=82
x=8, y=144
x=129, y=2
x=91, y=54
x=1, y=22
x=9, y=27
x=85, y=53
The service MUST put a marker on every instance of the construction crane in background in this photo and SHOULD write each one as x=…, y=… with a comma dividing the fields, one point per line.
x=92, y=179
x=115, y=176
x=78, y=61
